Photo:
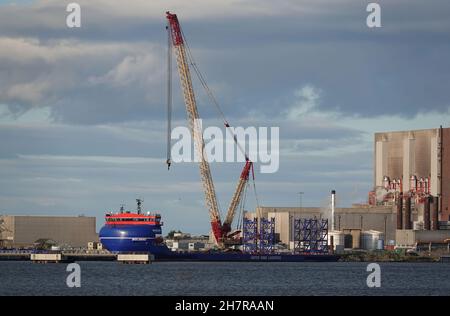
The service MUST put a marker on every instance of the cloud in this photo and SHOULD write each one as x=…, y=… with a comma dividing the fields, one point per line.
x=307, y=101
x=97, y=159
x=25, y=138
x=82, y=111
x=29, y=92
x=131, y=70
x=73, y=77
x=113, y=68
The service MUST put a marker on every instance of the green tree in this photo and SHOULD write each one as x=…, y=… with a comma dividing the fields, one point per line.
x=44, y=244
x=172, y=233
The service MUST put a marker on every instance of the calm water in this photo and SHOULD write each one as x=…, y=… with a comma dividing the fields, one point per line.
x=176, y=278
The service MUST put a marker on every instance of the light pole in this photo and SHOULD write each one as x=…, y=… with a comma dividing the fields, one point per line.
x=300, y=195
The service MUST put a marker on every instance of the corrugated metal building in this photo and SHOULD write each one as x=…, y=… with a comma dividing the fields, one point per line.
x=23, y=231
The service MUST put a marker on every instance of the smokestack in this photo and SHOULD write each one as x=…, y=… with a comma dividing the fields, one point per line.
x=333, y=206
x=407, y=219
x=400, y=211
x=434, y=213
x=426, y=213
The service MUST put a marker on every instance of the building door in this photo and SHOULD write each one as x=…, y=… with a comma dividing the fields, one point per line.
x=348, y=241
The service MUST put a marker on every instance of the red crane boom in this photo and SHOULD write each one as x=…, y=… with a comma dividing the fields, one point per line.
x=220, y=231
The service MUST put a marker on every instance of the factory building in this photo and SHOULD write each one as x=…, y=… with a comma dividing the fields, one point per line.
x=23, y=231
x=410, y=238
x=412, y=172
x=414, y=162
x=352, y=221
x=409, y=203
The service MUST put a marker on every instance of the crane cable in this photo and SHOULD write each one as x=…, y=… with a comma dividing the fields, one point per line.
x=210, y=94
x=254, y=187
x=242, y=207
x=213, y=99
x=217, y=106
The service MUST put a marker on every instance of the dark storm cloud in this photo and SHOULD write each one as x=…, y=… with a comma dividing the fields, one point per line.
x=257, y=58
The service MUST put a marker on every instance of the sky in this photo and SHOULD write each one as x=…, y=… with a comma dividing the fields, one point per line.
x=83, y=110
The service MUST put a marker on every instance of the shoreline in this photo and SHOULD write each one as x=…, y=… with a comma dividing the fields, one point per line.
x=391, y=256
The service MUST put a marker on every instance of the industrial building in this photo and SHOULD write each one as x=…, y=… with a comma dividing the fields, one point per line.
x=23, y=231
x=409, y=203
x=184, y=242
x=416, y=162
x=351, y=221
x=410, y=238
x=412, y=172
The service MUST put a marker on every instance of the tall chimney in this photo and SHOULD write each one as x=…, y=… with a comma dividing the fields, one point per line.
x=400, y=211
x=407, y=219
x=434, y=213
x=426, y=213
x=333, y=206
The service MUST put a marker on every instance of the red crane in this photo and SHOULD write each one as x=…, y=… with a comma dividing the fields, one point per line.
x=221, y=231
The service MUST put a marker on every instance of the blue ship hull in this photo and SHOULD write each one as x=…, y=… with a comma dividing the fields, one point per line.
x=132, y=238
